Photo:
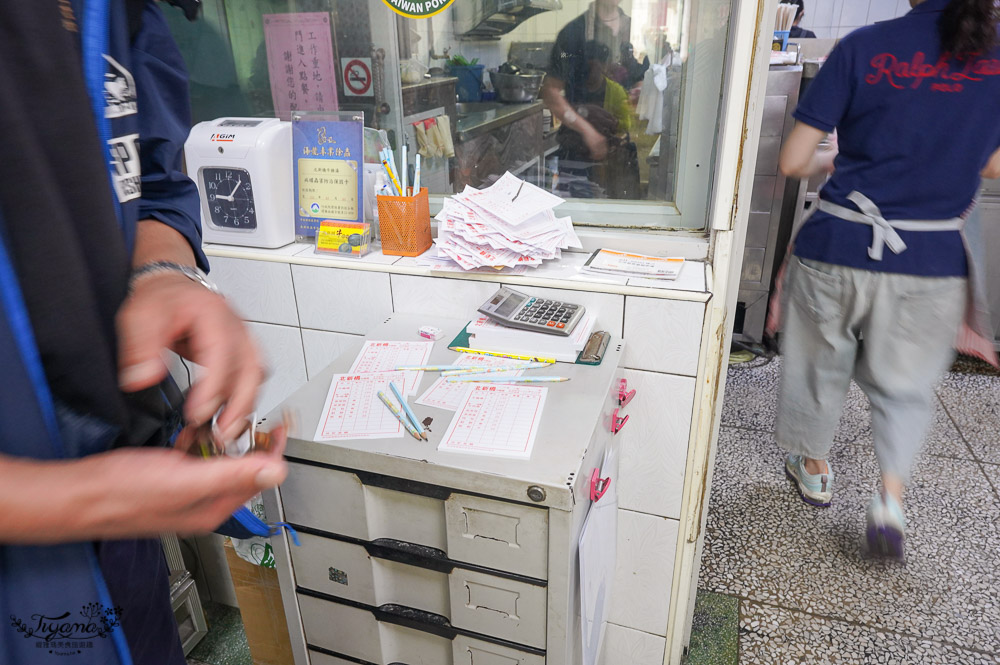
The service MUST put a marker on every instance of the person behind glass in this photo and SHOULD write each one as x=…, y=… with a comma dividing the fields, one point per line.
x=796, y=30
x=883, y=273
x=566, y=80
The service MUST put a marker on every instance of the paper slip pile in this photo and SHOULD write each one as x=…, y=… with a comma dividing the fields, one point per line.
x=609, y=262
x=487, y=335
x=510, y=224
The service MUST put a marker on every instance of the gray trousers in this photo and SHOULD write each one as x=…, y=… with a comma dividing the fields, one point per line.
x=893, y=334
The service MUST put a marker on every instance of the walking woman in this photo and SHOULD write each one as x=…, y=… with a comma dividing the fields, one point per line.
x=883, y=274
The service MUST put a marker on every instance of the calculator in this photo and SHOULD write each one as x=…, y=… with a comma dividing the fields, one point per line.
x=518, y=310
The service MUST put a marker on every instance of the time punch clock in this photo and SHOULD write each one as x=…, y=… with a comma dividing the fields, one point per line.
x=243, y=169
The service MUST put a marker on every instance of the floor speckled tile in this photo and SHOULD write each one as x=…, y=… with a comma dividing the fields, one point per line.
x=226, y=641
x=772, y=636
x=979, y=418
x=751, y=402
x=714, y=630
x=762, y=543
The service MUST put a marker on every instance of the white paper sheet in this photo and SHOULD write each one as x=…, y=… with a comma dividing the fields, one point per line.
x=500, y=420
x=444, y=395
x=386, y=356
x=354, y=411
x=509, y=224
x=598, y=543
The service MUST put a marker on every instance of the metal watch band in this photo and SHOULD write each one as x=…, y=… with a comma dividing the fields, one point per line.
x=192, y=273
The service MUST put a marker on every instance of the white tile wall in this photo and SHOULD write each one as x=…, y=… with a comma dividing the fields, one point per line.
x=341, y=300
x=281, y=347
x=663, y=335
x=645, y=567
x=836, y=18
x=257, y=290
x=654, y=443
x=626, y=646
x=322, y=348
x=438, y=296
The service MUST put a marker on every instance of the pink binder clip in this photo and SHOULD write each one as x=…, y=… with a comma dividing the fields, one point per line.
x=598, y=485
x=617, y=423
x=624, y=394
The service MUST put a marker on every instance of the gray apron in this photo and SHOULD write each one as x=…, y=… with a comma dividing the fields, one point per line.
x=976, y=337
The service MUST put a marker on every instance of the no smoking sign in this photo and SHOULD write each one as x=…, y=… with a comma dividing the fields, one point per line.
x=357, y=73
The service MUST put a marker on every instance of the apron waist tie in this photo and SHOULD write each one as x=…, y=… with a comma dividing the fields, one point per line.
x=883, y=231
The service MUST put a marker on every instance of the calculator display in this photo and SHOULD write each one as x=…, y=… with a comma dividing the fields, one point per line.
x=509, y=306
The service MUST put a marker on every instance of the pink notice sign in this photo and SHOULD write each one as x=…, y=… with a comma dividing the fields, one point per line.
x=300, y=62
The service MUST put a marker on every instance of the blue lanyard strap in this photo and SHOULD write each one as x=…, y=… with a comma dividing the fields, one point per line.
x=94, y=39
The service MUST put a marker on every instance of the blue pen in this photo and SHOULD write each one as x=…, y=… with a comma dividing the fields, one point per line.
x=409, y=413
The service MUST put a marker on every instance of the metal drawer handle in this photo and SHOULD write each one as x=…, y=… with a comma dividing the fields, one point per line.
x=617, y=423
x=429, y=558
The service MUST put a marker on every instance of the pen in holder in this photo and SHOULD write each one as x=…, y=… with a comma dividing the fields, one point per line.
x=405, y=224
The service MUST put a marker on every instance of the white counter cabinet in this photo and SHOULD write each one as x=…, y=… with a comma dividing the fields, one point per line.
x=311, y=308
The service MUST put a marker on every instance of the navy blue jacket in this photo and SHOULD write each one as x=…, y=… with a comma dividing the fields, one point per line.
x=107, y=601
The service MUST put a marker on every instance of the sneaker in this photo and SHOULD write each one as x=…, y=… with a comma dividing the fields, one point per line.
x=816, y=490
x=886, y=530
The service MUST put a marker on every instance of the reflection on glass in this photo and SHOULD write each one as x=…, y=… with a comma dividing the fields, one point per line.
x=582, y=98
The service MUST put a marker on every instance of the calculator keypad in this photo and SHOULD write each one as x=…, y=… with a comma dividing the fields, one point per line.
x=542, y=313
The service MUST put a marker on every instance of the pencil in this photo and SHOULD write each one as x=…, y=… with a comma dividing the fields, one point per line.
x=533, y=359
x=409, y=412
x=399, y=416
x=504, y=379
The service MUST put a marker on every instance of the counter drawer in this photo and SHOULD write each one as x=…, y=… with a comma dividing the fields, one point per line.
x=357, y=633
x=505, y=536
x=385, y=572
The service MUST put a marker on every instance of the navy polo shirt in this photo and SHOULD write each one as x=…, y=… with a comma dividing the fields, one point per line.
x=915, y=127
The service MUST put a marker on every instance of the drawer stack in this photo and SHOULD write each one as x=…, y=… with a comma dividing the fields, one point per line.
x=415, y=573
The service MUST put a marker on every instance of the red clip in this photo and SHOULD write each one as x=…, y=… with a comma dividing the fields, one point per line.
x=624, y=394
x=617, y=423
x=598, y=485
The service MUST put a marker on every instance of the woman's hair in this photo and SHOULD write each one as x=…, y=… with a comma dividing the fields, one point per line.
x=968, y=27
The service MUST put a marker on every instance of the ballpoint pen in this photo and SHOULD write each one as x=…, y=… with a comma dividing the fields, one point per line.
x=503, y=379
x=409, y=412
x=492, y=370
x=399, y=416
x=416, y=175
x=435, y=368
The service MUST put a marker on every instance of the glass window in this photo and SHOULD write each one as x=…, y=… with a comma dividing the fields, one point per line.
x=613, y=104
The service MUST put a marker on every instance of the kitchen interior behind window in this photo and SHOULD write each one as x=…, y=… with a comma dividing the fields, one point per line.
x=473, y=82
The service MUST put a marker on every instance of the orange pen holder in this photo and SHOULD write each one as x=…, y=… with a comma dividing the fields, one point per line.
x=405, y=224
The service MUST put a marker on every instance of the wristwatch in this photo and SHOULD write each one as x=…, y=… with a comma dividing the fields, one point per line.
x=191, y=272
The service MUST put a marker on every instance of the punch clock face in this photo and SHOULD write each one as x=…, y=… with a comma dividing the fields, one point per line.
x=230, y=198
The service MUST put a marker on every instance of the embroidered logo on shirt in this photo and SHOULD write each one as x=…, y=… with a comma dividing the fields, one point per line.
x=119, y=90
x=901, y=73
x=126, y=172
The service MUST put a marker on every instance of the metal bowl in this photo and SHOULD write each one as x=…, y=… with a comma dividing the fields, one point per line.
x=517, y=88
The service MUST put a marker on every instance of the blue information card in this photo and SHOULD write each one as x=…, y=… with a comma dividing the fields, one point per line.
x=328, y=163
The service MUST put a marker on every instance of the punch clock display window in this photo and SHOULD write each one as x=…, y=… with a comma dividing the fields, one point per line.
x=230, y=198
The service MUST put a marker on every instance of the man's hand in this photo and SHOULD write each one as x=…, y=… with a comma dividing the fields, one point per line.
x=129, y=493
x=992, y=169
x=169, y=311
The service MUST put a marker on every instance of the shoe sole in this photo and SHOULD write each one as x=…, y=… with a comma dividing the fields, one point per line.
x=803, y=495
x=886, y=541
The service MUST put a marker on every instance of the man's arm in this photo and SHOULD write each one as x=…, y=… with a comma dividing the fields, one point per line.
x=128, y=492
x=556, y=102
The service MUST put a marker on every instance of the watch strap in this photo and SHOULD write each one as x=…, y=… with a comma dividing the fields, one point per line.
x=155, y=267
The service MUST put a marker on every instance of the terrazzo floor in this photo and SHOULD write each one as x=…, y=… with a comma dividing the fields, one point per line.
x=799, y=585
